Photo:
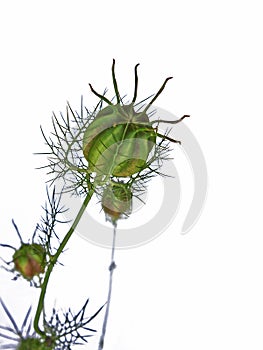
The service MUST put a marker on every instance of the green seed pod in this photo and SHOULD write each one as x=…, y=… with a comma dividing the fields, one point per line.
x=117, y=200
x=119, y=140
x=30, y=260
x=32, y=344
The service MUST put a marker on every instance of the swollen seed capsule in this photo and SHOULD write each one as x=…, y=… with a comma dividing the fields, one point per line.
x=118, y=141
x=117, y=200
x=30, y=260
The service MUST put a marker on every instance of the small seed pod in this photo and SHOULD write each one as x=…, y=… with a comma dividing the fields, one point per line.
x=32, y=344
x=30, y=260
x=117, y=201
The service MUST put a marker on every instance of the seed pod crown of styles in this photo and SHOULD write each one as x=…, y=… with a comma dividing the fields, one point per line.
x=119, y=140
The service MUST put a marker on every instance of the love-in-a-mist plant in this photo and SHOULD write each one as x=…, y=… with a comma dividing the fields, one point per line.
x=111, y=151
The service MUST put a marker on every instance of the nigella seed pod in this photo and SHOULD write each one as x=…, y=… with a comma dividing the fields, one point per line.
x=30, y=260
x=119, y=140
x=117, y=201
x=116, y=139
x=32, y=344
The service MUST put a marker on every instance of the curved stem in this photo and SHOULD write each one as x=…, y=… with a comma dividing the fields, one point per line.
x=53, y=262
x=111, y=268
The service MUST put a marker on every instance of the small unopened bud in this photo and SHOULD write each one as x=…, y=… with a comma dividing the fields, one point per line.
x=30, y=260
x=32, y=344
x=117, y=201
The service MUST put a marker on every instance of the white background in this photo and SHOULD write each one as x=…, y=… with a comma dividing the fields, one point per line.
x=198, y=291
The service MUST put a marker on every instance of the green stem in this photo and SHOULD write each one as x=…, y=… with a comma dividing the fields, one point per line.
x=53, y=263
